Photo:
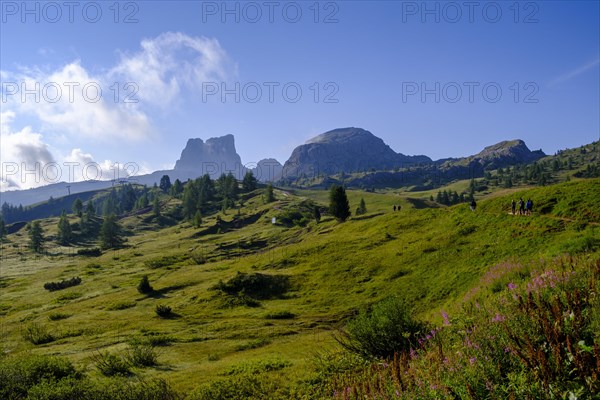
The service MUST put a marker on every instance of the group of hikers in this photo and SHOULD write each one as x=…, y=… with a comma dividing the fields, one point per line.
x=525, y=207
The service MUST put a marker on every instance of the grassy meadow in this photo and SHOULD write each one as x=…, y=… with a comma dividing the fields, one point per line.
x=309, y=279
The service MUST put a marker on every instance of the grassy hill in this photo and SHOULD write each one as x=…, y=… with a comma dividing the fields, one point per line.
x=251, y=296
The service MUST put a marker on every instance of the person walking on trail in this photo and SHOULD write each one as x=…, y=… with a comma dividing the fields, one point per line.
x=528, y=207
x=521, y=207
x=473, y=205
x=513, y=206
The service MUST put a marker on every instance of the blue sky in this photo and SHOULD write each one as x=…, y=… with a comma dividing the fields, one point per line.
x=425, y=86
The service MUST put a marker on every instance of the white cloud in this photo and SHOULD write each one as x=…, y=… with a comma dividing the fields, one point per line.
x=71, y=101
x=575, y=72
x=23, y=155
x=28, y=162
x=170, y=62
x=66, y=100
x=66, y=110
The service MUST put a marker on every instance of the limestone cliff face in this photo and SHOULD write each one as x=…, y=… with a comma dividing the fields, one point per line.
x=345, y=150
x=267, y=170
x=216, y=156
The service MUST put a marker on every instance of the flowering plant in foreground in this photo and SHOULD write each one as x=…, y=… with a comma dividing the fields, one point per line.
x=536, y=338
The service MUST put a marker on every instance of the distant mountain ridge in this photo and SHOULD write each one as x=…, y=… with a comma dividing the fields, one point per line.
x=499, y=155
x=345, y=150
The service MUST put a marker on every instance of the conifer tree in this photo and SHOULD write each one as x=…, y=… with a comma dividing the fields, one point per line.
x=65, y=234
x=338, y=203
x=36, y=237
x=110, y=233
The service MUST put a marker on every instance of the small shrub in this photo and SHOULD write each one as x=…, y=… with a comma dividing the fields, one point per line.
x=238, y=387
x=65, y=283
x=144, y=286
x=121, y=305
x=280, y=315
x=166, y=261
x=68, y=296
x=159, y=340
x=111, y=365
x=231, y=301
x=37, y=334
x=386, y=329
x=254, y=344
x=57, y=316
x=163, y=311
x=256, y=285
x=142, y=355
x=257, y=367
x=93, y=252
x=19, y=374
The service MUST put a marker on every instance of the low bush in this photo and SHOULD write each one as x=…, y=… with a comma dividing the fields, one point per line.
x=93, y=252
x=111, y=365
x=166, y=261
x=142, y=355
x=280, y=315
x=256, y=285
x=37, y=334
x=66, y=283
x=57, y=316
x=387, y=328
x=254, y=344
x=144, y=286
x=121, y=305
x=237, y=387
x=163, y=311
x=257, y=367
x=19, y=375
x=63, y=298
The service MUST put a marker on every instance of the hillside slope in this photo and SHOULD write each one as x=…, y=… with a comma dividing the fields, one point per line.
x=312, y=278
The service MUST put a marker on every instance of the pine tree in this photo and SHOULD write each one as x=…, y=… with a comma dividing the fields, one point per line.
x=36, y=237
x=110, y=233
x=362, y=208
x=176, y=188
x=144, y=286
x=197, y=221
x=317, y=214
x=269, y=196
x=439, y=198
x=90, y=211
x=249, y=182
x=3, y=231
x=338, y=203
x=78, y=207
x=156, y=206
x=165, y=183
x=445, y=198
x=65, y=234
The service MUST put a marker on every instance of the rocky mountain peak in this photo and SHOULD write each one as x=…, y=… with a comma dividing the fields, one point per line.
x=214, y=157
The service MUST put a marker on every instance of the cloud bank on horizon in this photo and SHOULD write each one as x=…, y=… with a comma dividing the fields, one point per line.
x=72, y=103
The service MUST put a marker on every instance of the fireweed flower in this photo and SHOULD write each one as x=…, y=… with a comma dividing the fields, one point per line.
x=498, y=318
x=446, y=319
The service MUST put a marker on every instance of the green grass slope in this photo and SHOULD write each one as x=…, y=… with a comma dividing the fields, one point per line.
x=302, y=280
